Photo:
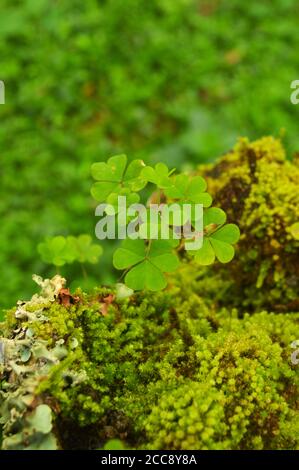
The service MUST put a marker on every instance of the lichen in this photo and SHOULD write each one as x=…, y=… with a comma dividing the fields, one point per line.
x=26, y=360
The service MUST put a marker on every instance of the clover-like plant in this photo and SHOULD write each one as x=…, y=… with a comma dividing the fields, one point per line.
x=61, y=250
x=117, y=178
x=160, y=175
x=149, y=252
x=218, y=239
x=146, y=263
x=145, y=259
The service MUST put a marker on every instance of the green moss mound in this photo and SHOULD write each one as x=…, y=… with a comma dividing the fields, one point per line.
x=258, y=188
x=161, y=371
x=205, y=364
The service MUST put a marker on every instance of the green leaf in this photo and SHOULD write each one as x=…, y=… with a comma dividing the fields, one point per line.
x=114, y=177
x=197, y=186
x=205, y=255
x=131, y=198
x=230, y=233
x=145, y=276
x=218, y=244
x=70, y=251
x=160, y=175
x=214, y=215
x=150, y=225
x=111, y=171
x=87, y=252
x=223, y=251
x=131, y=252
x=60, y=250
x=52, y=250
x=188, y=189
x=132, y=178
x=147, y=263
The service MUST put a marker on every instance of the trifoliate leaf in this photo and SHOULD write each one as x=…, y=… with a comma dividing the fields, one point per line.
x=219, y=245
x=160, y=175
x=147, y=263
x=188, y=189
x=52, y=250
x=60, y=250
x=114, y=176
x=87, y=252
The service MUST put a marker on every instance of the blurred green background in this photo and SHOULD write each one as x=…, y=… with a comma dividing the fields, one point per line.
x=164, y=80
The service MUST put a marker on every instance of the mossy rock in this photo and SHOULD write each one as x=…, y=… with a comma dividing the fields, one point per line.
x=161, y=370
x=258, y=188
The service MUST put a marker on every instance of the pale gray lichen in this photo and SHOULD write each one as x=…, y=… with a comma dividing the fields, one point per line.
x=49, y=292
x=24, y=362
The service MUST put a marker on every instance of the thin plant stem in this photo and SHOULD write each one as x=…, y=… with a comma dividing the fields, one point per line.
x=84, y=272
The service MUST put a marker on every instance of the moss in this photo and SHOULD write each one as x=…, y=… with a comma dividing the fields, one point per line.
x=191, y=417
x=258, y=188
x=164, y=370
x=205, y=364
x=61, y=324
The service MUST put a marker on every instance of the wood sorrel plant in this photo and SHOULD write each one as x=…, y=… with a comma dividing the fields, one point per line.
x=61, y=250
x=143, y=259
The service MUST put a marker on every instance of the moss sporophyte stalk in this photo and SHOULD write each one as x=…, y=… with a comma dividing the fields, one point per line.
x=190, y=354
